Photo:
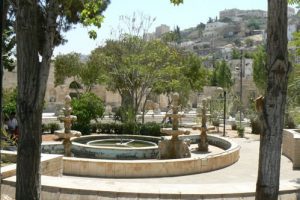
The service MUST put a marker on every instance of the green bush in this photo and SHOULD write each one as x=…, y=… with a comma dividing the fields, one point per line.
x=130, y=128
x=85, y=129
x=289, y=121
x=53, y=127
x=255, y=125
x=9, y=102
x=241, y=131
x=150, y=128
x=87, y=107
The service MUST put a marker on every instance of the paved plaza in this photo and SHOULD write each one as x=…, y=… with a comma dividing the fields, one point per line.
x=234, y=182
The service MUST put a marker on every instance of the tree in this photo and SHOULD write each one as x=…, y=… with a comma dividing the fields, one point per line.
x=173, y=36
x=66, y=66
x=222, y=75
x=132, y=67
x=38, y=28
x=189, y=76
x=273, y=106
x=259, y=68
x=235, y=54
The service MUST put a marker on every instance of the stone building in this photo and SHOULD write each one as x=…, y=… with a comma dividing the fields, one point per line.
x=235, y=13
x=54, y=97
x=160, y=30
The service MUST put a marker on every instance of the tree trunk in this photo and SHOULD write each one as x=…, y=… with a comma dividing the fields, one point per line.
x=3, y=17
x=32, y=79
x=29, y=109
x=267, y=185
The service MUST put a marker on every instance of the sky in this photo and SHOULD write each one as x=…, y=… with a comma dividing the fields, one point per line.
x=186, y=15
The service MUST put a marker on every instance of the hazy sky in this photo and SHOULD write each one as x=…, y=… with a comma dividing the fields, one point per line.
x=186, y=15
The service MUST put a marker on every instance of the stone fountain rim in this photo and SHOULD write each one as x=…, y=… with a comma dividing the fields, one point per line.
x=73, y=140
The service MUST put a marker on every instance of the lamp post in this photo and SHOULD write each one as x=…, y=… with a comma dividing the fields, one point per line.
x=241, y=86
x=224, y=117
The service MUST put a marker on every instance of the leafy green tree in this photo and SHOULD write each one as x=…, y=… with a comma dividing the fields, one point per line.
x=172, y=36
x=222, y=75
x=253, y=24
x=38, y=30
x=259, y=68
x=190, y=75
x=200, y=27
x=66, y=66
x=132, y=66
x=87, y=107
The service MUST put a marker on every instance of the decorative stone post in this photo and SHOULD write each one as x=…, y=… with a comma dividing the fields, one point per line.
x=67, y=133
x=203, y=143
x=174, y=148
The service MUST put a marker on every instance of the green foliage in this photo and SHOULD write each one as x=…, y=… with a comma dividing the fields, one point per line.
x=66, y=66
x=241, y=131
x=253, y=24
x=222, y=75
x=9, y=102
x=249, y=42
x=87, y=107
x=134, y=67
x=256, y=125
x=259, y=68
x=53, y=127
x=176, y=2
x=293, y=2
x=235, y=52
x=150, y=128
x=294, y=77
x=9, y=42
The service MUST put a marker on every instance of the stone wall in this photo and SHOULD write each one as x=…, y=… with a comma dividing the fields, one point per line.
x=51, y=165
x=291, y=146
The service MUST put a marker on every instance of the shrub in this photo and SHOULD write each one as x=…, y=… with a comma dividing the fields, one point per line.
x=9, y=102
x=233, y=126
x=87, y=107
x=53, y=127
x=255, y=125
x=241, y=131
x=289, y=121
x=130, y=128
x=85, y=129
x=150, y=128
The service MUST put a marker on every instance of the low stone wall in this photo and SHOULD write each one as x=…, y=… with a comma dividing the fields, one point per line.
x=153, y=168
x=291, y=146
x=51, y=165
x=53, y=148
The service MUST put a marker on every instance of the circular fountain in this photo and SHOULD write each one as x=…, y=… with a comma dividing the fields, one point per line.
x=137, y=156
x=124, y=147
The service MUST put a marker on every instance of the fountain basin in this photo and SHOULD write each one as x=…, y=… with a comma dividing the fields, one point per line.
x=156, y=168
x=128, y=147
